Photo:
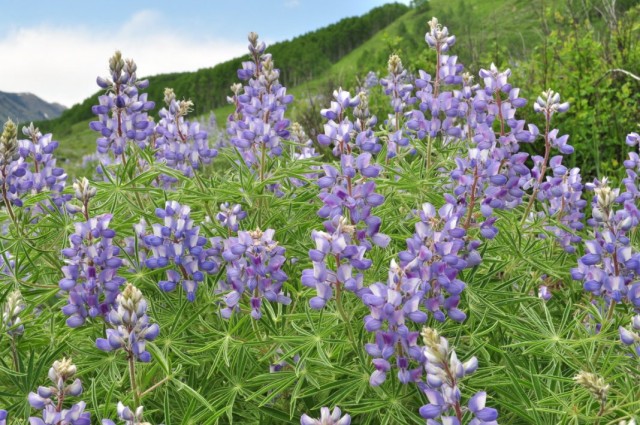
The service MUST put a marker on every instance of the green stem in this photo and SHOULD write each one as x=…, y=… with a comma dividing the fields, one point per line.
x=132, y=380
x=14, y=353
x=154, y=386
x=262, y=162
x=603, y=404
x=543, y=169
x=5, y=197
x=429, y=144
x=345, y=319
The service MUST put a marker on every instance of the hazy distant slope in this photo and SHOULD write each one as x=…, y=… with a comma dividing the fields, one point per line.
x=23, y=107
x=303, y=58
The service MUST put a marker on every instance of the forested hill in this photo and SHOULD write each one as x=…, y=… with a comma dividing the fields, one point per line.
x=301, y=59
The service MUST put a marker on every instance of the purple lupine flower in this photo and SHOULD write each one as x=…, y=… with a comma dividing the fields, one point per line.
x=631, y=182
x=230, y=216
x=39, y=148
x=441, y=107
x=254, y=269
x=561, y=196
x=399, y=91
x=11, y=166
x=13, y=305
x=180, y=144
x=130, y=325
x=177, y=243
x=631, y=336
x=338, y=247
x=327, y=417
x=438, y=37
x=33, y=170
x=364, y=126
x=436, y=254
x=128, y=416
x=50, y=400
x=91, y=271
x=492, y=174
x=610, y=265
x=348, y=191
x=370, y=81
x=548, y=104
x=544, y=293
x=392, y=306
x=444, y=372
x=258, y=123
x=3, y=417
x=122, y=111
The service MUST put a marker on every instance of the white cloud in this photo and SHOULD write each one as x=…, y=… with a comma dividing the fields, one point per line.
x=292, y=3
x=61, y=64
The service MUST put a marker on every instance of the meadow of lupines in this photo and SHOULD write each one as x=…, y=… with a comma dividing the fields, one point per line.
x=417, y=268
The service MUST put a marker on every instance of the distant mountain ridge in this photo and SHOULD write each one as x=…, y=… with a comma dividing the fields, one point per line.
x=24, y=107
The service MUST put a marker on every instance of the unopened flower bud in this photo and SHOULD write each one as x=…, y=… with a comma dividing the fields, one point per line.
x=83, y=190
x=169, y=96
x=593, y=383
x=14, y=305
x=394, y=66
x=8, y=143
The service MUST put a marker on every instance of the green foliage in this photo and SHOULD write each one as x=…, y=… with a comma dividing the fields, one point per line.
x=583, y=62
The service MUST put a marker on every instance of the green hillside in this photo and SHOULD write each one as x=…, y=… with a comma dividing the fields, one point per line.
x=518, y=33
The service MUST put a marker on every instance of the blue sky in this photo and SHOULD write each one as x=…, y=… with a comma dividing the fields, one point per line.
x=55, y=49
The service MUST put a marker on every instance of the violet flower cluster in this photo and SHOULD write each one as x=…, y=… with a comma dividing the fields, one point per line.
x=348, y=196
x=50, y=400
x=254, y=268
x=436, y=253
x=3, y=417
x=122, y=111
x=400, y=92
x=131, y=328
x=631, y=336
x=493, y=173
x=258, y=126
x=610, y=267
x=230, y=216
x=181, y=144
x=128, y=416
x=92, y=264
x=431, y=101
x=364, y=126
x=425, y=280
x=10, y=166
x=392, y=306
x=560, y=194
x=40, y=171
x=327, y=417
x=490, y=173
x=444, y=373
x=176, y=243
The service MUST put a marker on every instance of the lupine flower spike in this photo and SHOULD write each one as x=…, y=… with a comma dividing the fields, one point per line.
x=327, y=417
x=13, y=305
x=128, y=416
x=50, y=400
x=93, y=260
x=444, y=371
x=131, y=327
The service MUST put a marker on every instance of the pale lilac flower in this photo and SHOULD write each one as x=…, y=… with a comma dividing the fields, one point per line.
x=327, y=417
